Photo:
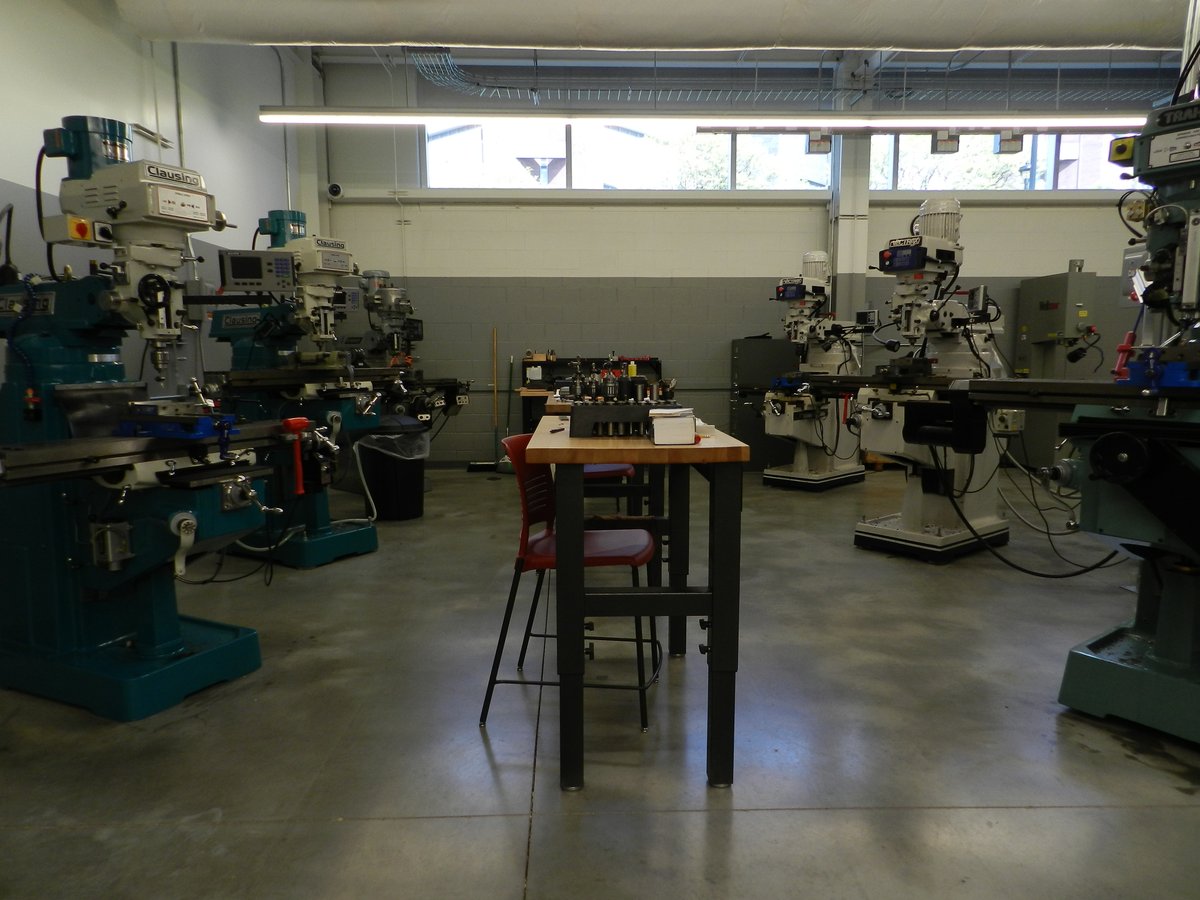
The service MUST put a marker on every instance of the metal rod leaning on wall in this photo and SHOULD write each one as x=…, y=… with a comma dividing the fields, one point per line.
x=495, y=401
x=508, y=404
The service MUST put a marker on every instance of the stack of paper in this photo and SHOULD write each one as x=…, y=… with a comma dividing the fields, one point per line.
x=673, y=426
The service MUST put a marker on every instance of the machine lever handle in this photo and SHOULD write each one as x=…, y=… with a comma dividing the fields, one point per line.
x=251, y=494
x=184, y=525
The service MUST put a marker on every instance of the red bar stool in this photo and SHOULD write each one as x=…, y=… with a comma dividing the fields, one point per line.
x=632, y=547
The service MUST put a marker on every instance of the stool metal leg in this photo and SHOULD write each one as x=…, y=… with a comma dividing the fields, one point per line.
x=641, y=670
x=537, y=592
x=655, y=650
x=639, y=641
x=641, y=659
x=508, y=610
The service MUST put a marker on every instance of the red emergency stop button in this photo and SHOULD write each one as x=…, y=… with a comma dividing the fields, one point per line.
x=81, y=229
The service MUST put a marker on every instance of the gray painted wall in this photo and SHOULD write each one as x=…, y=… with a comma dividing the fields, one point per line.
x=687, y=322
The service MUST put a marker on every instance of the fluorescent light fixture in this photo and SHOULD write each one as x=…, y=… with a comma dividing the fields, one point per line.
x=766, y=122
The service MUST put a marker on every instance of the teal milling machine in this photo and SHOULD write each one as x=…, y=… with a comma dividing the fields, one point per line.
x=289, y=295
x=104, y=490
x=1137, y=443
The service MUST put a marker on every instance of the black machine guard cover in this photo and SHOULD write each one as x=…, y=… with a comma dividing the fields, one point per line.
x=955, y=422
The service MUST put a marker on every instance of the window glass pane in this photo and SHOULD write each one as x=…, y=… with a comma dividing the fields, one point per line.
x=497, y=154
x=883, y=155
x=975, y=167
x=1042, y=151
x=1083, y=164
x=780, y=162
x=648, y=156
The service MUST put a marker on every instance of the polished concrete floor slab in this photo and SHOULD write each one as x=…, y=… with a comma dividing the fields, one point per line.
x=898, y=736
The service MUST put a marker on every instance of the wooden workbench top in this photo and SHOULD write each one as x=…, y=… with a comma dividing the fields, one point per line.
x=550, y=445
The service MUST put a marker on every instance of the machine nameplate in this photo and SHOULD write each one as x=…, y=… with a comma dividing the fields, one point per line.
x=914, y=241
x=1174, y=148
x=13, y=304
x=1178, y=115
x=241, y=320
x=185, y=205
x=179, y=176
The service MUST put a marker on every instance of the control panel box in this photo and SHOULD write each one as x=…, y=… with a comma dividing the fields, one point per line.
x=903, y=258
x=257, y=271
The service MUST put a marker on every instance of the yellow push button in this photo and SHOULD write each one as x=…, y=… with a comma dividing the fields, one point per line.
x=1121, y=150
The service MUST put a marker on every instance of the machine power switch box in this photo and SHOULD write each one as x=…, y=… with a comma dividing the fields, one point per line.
x=78, y=231
x=1008, y=421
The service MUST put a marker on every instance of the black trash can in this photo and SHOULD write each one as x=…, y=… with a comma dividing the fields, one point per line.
x=393, y=473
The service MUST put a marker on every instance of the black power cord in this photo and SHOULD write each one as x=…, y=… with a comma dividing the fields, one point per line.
x=41, y=215
x=8, y=272
x=937, y=464
x=1184, y=72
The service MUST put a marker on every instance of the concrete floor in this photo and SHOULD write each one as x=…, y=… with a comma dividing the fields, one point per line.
x=898, y=736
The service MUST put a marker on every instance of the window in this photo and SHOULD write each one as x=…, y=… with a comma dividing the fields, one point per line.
x=780, y=162
x=883, y=162
x=665, y=155
x=1042, y=150
x=497, y=154
x=646, y=155
x=1082, y=164
x=1047, y=162
x=654, y=156
x=975, y=167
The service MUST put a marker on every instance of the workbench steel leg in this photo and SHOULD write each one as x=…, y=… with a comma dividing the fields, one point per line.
x=721, y=690
x=657, y=508
x=570, y=731
x=679, y=511
x=724, y=565
x=635, y=501
x=569, y=531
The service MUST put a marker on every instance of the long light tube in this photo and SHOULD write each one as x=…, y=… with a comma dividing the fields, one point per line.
x=830, y=122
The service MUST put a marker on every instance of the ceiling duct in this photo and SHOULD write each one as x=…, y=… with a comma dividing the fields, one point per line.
x=693, y=24
x=802, y=87
x=439, y=68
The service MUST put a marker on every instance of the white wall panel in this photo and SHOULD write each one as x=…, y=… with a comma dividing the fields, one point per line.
x=686, y=241
x=242, y=160
x=580, y=241
x=64, y=58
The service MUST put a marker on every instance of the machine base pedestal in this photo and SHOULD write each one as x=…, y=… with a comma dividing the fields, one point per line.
x=113, y=682
x=885, y=534
x=1116, y=675
x=307, y=551
x=785, y=476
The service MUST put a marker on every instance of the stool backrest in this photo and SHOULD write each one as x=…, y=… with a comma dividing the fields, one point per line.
x=535, y=482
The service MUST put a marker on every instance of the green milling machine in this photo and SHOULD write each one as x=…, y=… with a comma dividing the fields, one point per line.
x=1136, y=463
x=288, y=294
x=106, y=490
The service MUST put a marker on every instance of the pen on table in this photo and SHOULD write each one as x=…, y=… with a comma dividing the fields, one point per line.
x=555, y=430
